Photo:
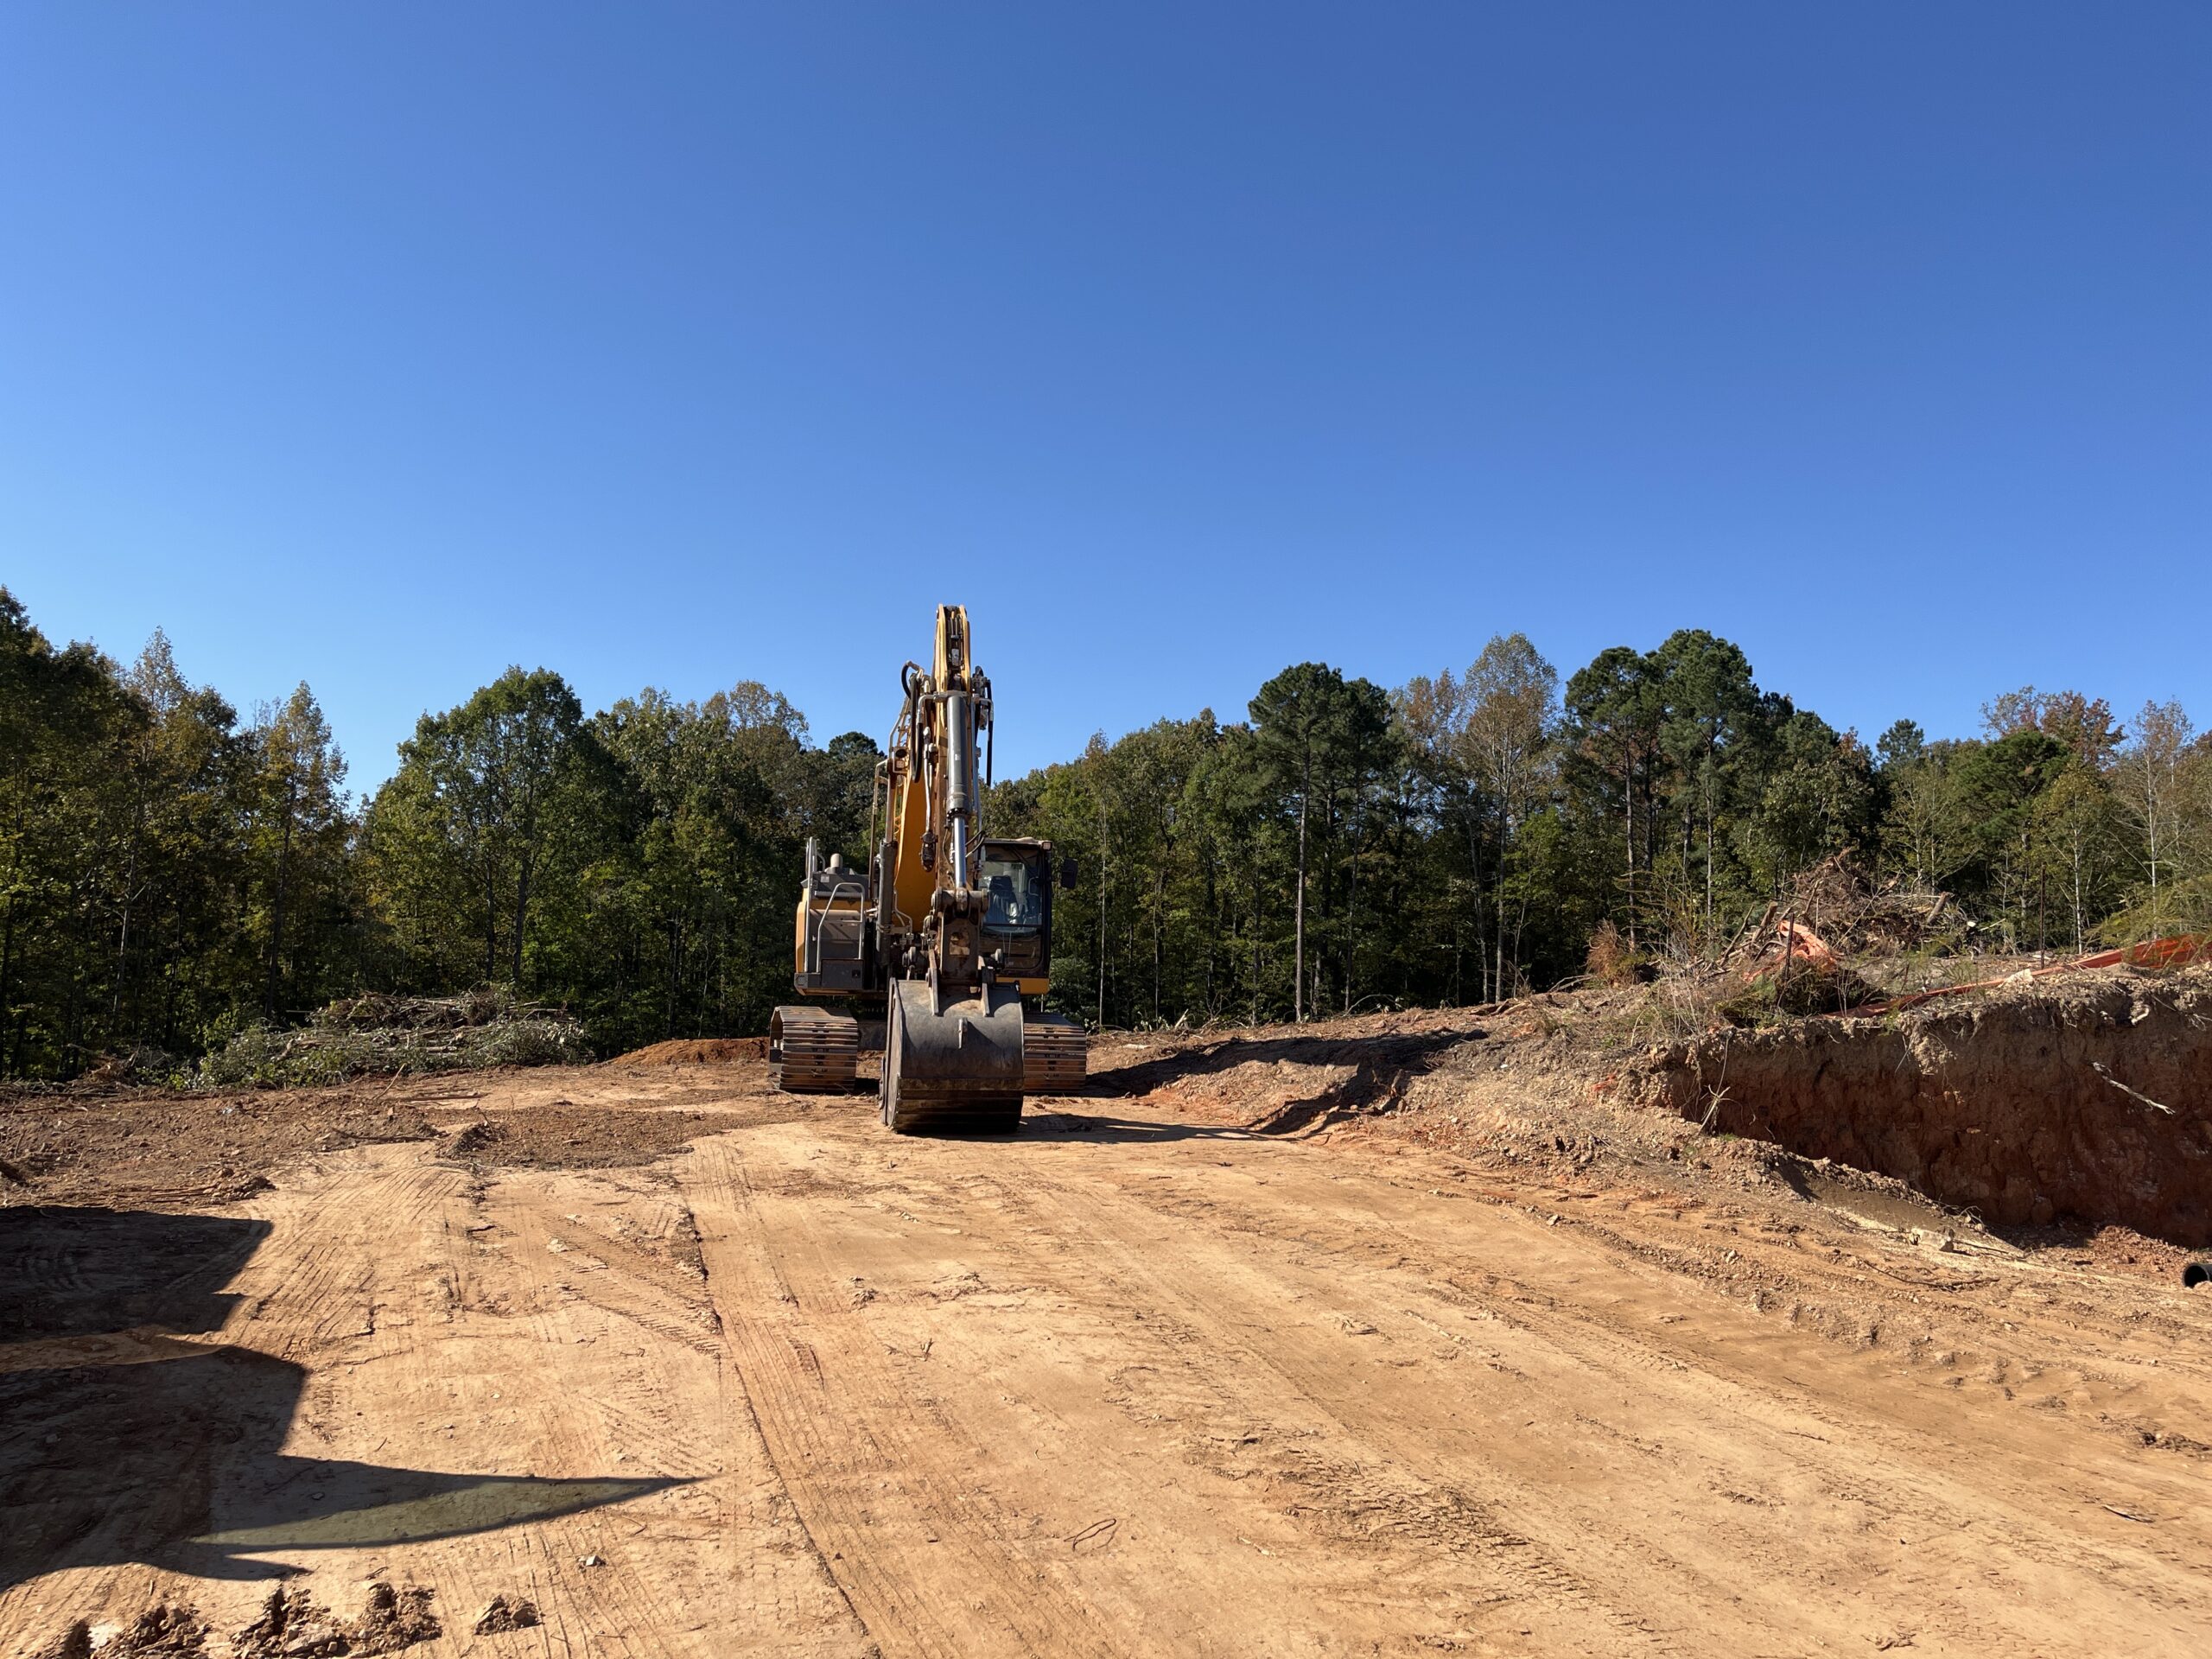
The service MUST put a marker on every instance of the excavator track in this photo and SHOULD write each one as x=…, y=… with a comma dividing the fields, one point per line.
x=811, y=1051
x=1055, y=1055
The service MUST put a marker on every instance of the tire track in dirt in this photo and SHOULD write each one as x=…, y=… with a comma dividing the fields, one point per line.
x=1607, y=1362
x=1354, y=1484
x=454, y=1350
x=927, y=1564
x=1572, y=1351
x=748, y=1584
x=1365, y=1530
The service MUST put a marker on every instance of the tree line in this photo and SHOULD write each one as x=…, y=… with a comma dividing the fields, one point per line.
x=172, y=872
x=1464, y=838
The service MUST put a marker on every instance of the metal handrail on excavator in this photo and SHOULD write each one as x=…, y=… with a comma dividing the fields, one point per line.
x=830, y=903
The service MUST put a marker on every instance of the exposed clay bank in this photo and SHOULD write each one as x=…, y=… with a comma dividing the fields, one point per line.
x=2088, y=1098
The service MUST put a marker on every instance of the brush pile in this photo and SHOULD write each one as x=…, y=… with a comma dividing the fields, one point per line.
x=1854, y=917
x=1823, y=947
x=376, y=1035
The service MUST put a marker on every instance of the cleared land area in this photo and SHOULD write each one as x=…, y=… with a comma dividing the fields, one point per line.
x=1410, y=1334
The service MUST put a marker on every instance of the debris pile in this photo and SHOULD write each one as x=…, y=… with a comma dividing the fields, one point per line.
x=1812, y=951
x=1783, y=966
x=386, y=1036
x=1836, y=899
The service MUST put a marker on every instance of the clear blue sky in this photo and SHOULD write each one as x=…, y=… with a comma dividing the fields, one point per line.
x=385, y=345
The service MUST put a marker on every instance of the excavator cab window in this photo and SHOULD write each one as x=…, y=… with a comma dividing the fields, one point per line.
x=1016, y=885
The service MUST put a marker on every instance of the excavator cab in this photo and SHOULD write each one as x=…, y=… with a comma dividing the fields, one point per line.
x=1017, y=875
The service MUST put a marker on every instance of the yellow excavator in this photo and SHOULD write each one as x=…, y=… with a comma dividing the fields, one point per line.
x=949, y=932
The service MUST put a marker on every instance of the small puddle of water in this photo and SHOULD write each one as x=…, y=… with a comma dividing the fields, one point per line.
x=1901, y=1211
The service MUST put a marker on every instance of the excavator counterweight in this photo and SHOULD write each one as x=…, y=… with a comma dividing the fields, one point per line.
x=946, y=936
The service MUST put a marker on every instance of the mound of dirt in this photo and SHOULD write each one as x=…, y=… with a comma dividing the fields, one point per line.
x=502, y=1615
x=159, y=1148
x=396, y=1619
x=293, y=1626
x=563, y=1135
x=697, y=1051
x=474, y=1140
x=162, y=1631
x=291, y=1623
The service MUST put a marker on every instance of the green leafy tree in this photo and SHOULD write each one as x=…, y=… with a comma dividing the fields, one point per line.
x=1615, y=713
x=1486, y=748
x=1818, y=798
x=1318, y=734
x=2151, y=779
x=2078, y=836
x=1707, y=700
x=502, y=784
x=1999, y=784
x=299, y=844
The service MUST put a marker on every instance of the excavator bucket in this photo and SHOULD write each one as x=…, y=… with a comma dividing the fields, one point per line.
x=955, y=1071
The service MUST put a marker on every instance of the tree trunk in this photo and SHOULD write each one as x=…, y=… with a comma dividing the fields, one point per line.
x=276, y=905
x=1475, y=873
x=674, y=973
x=1256, y=935
x=1213, y=916
x=522, y=916
x=1497, y=887
x=122, y=932
x=1158, y=924
x=6, y=960
x=1627, y=806
x=1101, y=914
x=1298, y=955
x=491, y=921
x=1498, y=992
x=1351, y=921
x=1708, y=840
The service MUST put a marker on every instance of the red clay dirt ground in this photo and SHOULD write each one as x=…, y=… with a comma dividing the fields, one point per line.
x=1406, y=1334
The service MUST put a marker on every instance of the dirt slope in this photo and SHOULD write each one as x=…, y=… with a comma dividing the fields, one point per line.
x=2089, y=1095
x=1214, y=1361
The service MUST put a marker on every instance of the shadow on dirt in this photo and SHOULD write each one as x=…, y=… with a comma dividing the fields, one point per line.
x=122, y=1440
x=1057, y=1121
x=1381, y=1069
x=1415, y=1053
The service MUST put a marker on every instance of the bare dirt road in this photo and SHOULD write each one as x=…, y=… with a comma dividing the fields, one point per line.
x=1207, y=1362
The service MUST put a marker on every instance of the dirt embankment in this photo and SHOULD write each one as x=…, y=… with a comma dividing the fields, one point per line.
x=2088, y=1099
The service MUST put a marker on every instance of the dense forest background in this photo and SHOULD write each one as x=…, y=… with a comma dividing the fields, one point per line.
x=172, y=872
